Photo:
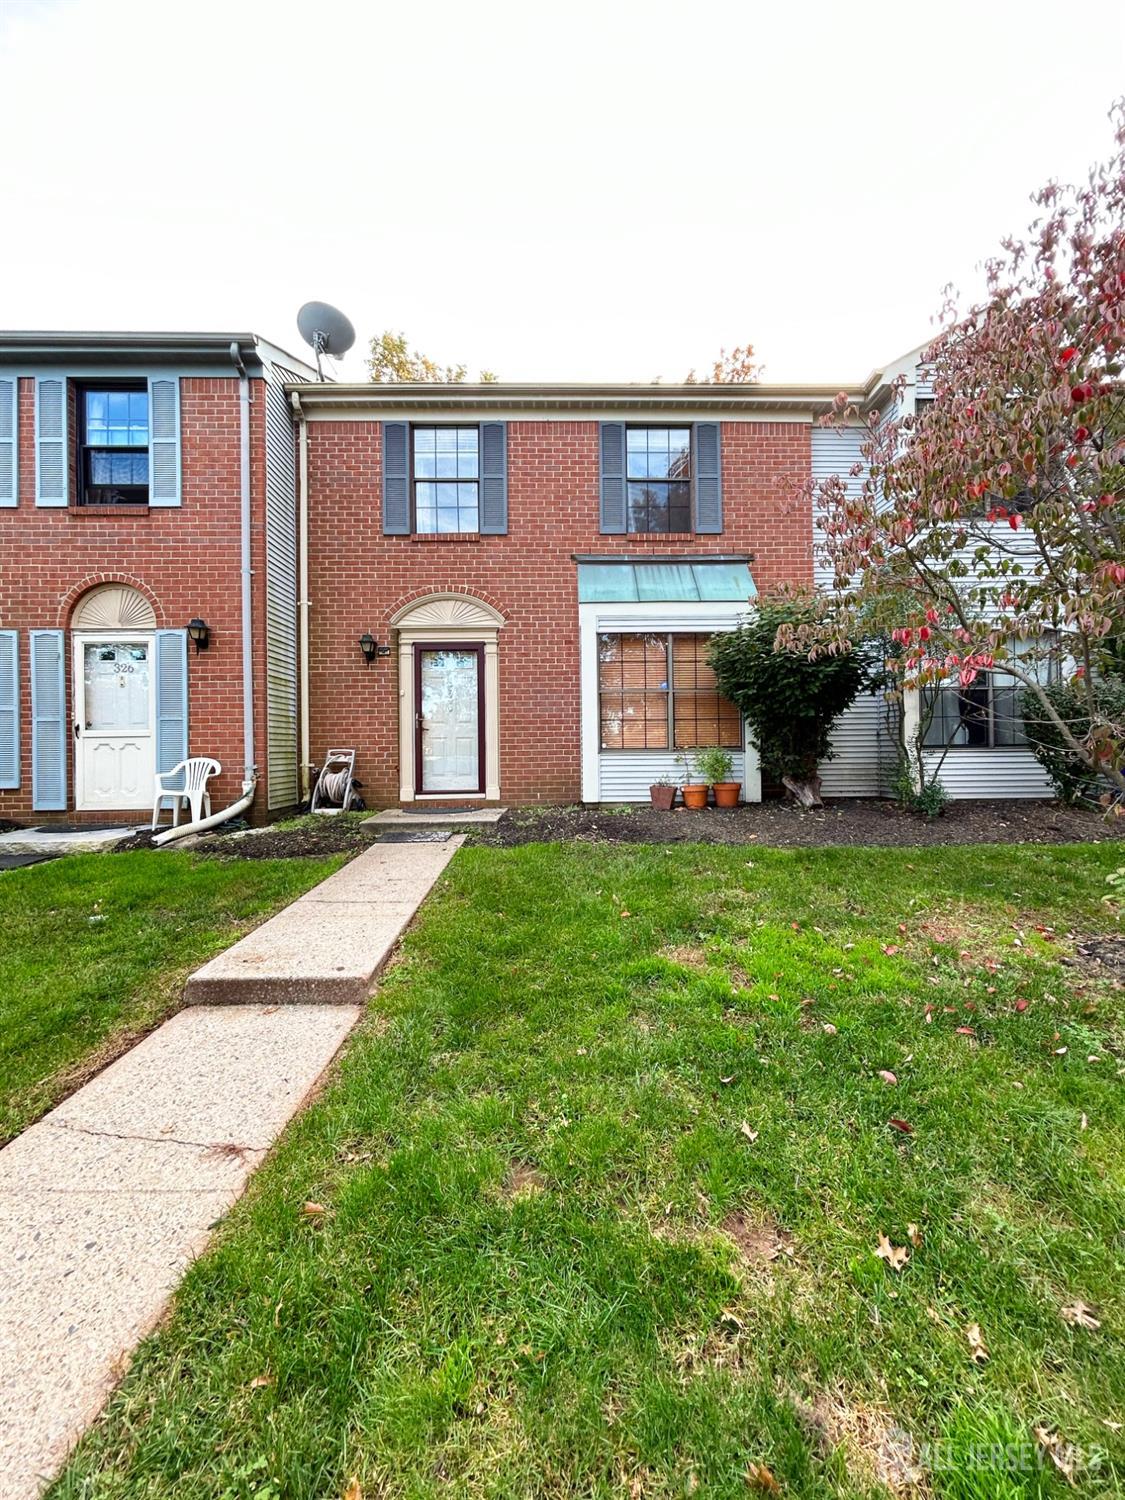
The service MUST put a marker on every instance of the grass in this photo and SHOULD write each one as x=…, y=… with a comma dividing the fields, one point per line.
x=94, y=950
x=523, y=1246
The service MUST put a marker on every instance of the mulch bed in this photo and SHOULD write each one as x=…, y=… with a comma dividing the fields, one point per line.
x=767, y=824
x=782, y=825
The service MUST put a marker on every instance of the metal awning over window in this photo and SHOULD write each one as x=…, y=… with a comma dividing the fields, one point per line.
x=723, y=581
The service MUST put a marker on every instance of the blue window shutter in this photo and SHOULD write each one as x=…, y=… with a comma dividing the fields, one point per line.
x=163, y=440
x=48, y=721
x=171, y=698
x=9, y=440
x=396, y=478
x=9, y=709
x=51, y=459
x=613, y=520
x=708, y=479
x=493, y=478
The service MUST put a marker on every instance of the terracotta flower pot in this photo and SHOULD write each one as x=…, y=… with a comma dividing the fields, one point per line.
x=726, y=793
x=663, y=797
x=695, y=796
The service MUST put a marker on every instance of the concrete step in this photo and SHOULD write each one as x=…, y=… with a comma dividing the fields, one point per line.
x=329, y=945
x=433, y=817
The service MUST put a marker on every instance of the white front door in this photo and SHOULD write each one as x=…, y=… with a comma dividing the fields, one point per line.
x=449, y=718
x=114, y=720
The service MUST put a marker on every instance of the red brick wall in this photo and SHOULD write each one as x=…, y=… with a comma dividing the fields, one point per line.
x=359, y=578
x=186, y=560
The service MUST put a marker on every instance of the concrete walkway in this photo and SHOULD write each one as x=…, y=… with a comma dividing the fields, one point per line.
x=109, y=1198
x=330, y=944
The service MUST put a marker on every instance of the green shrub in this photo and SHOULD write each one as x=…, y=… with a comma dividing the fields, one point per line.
x=928, y=801
x=1073, y=781
x=790, y=702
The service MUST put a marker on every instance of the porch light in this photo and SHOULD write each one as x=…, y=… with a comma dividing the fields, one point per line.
x=369, y=646
x=199, y=633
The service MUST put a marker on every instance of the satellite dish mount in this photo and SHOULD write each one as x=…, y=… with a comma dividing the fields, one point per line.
x=326, y=330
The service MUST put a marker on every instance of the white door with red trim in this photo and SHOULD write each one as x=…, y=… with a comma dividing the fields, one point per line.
x=114, y=721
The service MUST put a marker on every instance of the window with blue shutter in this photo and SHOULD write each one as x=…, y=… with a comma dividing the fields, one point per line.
x=171, y=699
x=51, y=459
x=9, y=440
x=48, y=722
x=9, y=709
x=612, y=465
x=708, y=479
x=164, y=440
x=396, y=479
x=493, y=478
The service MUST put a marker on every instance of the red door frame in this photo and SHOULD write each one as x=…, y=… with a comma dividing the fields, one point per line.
x=477, y=648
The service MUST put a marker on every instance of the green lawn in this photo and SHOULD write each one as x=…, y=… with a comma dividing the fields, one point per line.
x=94, y=948
x=592, y=1205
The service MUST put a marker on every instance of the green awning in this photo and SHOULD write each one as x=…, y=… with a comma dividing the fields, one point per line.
x=664, y=583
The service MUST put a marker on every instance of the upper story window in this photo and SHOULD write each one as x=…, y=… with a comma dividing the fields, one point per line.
x=446, y=479
x=113, y=443
x=658, y=478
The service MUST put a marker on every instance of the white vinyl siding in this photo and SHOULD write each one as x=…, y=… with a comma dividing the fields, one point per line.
x=1005, y=771
x=834, y=451
x=626, y=775
x=864, y=752
x=281, y=597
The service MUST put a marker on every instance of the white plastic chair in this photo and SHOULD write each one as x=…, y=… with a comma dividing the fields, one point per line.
x=196, y=773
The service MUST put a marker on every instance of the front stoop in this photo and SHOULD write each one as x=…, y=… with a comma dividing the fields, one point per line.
x=422, y=816
x=329, y=945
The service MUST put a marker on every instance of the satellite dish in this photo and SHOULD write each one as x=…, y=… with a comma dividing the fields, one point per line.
x=326, y=329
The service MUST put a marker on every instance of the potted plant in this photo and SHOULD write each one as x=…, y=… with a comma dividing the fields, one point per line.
x=662, y=793
x=715, y=766
x=694, y=788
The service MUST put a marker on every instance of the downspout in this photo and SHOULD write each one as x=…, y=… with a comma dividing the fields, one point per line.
x=249, y=770
x=303, y=587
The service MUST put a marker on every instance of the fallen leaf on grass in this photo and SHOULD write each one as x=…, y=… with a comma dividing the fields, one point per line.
x=903, y=1125
x=313, y=1210
x=729, y=1078
x=1062, y=1455
x=1079, y=1314
x=751, y=1135
x=828, y=1029
x=260, y=1381
x=890, y=949
x=887, y=1076
x=353, y=1491
x=976, y=1343
x=1021, y=1006
x=1084, y=1123
x=760, y=1477
x=914, y=1235
x=966, y=1031
x=896, y=1256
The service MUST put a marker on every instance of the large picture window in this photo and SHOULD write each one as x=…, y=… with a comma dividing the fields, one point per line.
x=658, y=478
x=446, y=479
x=657, y=692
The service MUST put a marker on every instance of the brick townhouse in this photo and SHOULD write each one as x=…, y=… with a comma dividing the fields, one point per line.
x=197, y=536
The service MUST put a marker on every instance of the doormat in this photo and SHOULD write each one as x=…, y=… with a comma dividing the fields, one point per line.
x=80, y=828
x=429, y=811
x=409, y=836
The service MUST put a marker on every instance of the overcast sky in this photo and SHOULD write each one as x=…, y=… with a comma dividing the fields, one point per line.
x=559, y=191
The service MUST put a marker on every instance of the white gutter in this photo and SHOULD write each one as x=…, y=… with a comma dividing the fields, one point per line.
x=249, y=769
x=303, y=588
x=212, y=821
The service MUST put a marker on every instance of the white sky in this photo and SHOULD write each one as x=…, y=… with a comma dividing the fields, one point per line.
x=576, y=190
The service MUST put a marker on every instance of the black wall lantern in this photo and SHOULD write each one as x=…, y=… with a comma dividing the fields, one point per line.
x=199, y=633
x=371, y=647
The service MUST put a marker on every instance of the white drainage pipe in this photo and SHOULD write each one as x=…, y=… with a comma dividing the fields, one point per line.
x=213, y=821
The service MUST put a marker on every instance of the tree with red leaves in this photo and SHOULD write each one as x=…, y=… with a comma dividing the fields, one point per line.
x=986, y=532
